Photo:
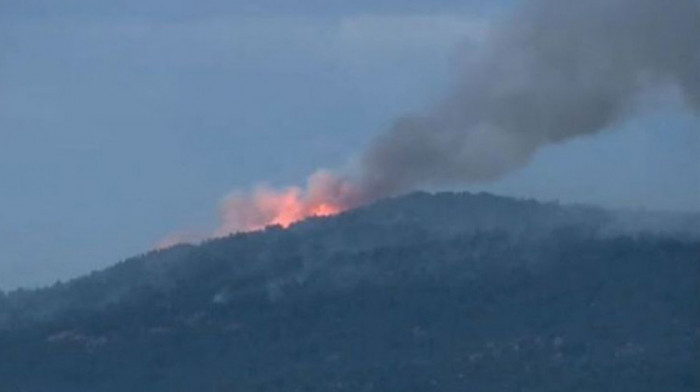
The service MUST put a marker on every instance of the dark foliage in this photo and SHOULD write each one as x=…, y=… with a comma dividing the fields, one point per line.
x=420, y=293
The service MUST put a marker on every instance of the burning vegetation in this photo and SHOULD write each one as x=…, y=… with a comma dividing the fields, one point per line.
x=531, y=83
x=325, y=194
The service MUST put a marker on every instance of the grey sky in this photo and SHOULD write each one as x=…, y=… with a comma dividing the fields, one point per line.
x=125, y=121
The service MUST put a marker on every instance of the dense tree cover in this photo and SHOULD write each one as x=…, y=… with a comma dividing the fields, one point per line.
x=420, y=293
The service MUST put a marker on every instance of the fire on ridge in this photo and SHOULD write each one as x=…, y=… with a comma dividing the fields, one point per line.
x=326, y=194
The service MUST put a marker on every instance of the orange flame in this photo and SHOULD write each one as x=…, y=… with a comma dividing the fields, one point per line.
x=325, y=195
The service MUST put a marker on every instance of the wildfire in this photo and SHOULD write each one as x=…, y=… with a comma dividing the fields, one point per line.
x=324, y=195
x=325, y=209
x=290, y=206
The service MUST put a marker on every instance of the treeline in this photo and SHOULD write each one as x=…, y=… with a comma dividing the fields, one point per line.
x=496, y=295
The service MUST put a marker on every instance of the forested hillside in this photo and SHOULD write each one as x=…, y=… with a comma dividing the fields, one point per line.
x=446, y=292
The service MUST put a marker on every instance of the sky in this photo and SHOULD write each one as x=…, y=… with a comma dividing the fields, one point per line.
x=122, y=122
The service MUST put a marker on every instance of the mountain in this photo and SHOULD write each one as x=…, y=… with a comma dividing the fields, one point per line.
x=445, y=292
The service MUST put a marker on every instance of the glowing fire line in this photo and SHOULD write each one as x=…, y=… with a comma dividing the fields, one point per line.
x=324, y=195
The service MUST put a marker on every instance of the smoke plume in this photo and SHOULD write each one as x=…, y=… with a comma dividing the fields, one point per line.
x=553, y=71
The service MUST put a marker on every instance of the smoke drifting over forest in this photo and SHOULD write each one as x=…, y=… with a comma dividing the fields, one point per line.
x=550, y=72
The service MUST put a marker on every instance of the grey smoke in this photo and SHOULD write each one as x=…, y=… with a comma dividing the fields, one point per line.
x=554, y=71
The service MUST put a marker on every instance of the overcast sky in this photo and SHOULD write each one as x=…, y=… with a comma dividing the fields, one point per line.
x=124, y=121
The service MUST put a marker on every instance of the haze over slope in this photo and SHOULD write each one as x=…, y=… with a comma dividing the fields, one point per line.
x=425, y=292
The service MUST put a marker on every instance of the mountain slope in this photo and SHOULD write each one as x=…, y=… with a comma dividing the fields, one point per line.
x=446, y=292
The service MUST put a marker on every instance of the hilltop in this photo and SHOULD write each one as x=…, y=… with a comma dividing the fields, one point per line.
x=444, y=292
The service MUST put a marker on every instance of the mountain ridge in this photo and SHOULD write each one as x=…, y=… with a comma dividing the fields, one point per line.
x=421, y=292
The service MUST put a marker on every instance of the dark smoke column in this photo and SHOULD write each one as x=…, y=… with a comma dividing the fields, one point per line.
x=554, y=71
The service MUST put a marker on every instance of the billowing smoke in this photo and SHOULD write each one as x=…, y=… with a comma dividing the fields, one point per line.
x=553, y=71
